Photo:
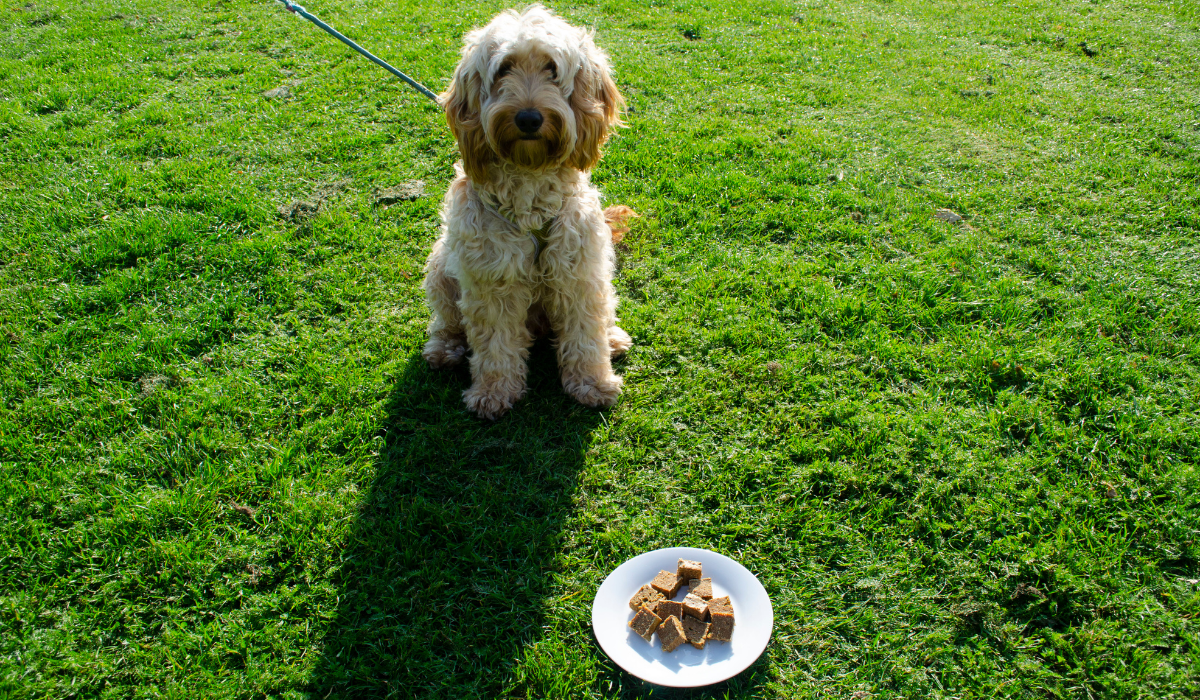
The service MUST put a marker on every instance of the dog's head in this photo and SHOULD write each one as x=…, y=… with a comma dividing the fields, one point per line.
x=533, y=91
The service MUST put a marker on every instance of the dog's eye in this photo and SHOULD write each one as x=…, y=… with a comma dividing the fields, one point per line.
x=553, y=70
x=504, y=70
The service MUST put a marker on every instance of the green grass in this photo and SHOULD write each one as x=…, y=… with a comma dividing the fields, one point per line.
x=960, y=457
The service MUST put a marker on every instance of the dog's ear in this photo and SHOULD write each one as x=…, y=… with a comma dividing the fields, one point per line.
x=461, y=102
x=611, y=98
x=597, y=104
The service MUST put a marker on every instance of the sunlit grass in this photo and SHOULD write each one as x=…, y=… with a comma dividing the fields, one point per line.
x=960, y=456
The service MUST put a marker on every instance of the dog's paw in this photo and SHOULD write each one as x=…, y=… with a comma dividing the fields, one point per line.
x=593, y=391
x=490, y=402
x=618, y=341
x=445, y=352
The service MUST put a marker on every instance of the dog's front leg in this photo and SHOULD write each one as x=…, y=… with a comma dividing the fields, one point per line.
x=580, y=312
x=494, y=317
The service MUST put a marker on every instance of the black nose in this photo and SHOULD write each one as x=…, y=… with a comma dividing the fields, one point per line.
x=528, y=121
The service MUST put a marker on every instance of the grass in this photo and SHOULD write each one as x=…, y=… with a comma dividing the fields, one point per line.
x=960, y=456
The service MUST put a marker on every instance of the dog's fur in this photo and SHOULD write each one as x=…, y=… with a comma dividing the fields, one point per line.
x=488, y=287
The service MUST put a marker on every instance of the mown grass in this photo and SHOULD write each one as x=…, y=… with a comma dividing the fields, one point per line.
x=961, y=457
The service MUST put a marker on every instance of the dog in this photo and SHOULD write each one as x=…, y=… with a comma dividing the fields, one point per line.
x=525, y=247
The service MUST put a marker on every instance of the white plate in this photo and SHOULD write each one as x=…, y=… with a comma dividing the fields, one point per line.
x=687, y=666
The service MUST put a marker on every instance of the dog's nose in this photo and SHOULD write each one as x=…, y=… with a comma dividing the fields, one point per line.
x=528, y=121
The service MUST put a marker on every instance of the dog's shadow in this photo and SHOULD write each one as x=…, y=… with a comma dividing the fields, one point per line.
x=443, y=576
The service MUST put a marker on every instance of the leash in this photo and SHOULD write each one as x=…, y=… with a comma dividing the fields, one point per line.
x=299, y=10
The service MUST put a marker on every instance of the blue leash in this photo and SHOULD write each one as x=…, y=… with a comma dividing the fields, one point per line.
x=298, y=10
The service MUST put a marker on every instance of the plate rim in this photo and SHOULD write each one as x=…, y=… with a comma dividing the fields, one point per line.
x=691, y=552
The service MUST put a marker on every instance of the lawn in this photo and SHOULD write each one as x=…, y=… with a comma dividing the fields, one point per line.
x=961, y=455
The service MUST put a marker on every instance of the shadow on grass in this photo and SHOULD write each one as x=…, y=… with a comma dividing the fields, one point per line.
x=451, y=555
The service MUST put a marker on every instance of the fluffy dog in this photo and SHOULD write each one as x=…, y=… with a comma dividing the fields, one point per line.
x=525, y=246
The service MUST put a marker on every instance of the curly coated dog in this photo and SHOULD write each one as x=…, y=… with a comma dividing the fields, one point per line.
x=525, y=247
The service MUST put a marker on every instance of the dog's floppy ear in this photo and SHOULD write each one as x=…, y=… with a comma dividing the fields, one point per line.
x=462, y=102
x=597, y=104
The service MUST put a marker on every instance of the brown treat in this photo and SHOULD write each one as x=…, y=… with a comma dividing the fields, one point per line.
x=721, y=604
x=694, y=605
x=696, y=631
x=667, y=583
x=645, y=596
x=670, y=634
x=644, y=623
x=689, y=569
x=701, y=587
x=721, y=628
x=669, y=608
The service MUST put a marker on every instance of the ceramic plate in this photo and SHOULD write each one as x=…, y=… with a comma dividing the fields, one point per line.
x=686, y=667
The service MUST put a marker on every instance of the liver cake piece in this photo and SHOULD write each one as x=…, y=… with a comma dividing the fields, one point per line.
x=721, y=627
x=696, y=632
x=721, y=604
x=689, y=569
x=667, y=583
x=644, y=623
x=670, y=634
x=701, y=587
x=695, y=606
x=669, y=608
x=646, y=595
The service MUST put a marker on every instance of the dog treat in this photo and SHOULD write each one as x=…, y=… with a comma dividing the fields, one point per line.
x=669, y=608
x=721, y=628
x=667, y=583
x=721, y=604
x=694, y=605
x=670, y=634
x=645, y=622
x=646, y=595
x=689, y=569
x=696, y=632
x=696, y=619
x=701, y=587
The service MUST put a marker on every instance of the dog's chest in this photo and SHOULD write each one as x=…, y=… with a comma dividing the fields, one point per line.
x=530, y=203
